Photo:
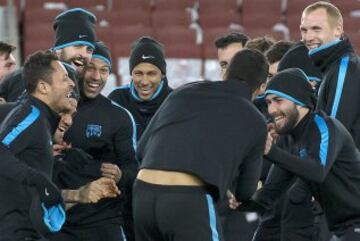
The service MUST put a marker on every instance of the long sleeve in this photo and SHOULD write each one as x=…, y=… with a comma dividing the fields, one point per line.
x=318, y=158
x=125, y=147
x=250, y=170
x=339, y=93
x=16, y=134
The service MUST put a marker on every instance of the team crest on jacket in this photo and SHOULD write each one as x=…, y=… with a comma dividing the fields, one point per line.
x=302, y=153
x=93, y=130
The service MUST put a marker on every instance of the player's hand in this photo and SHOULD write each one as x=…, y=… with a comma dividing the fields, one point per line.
x=268, y=144
x=111, y=171
x=58, y=148
x=97, y=190
x=233, y=203
x=272, y=131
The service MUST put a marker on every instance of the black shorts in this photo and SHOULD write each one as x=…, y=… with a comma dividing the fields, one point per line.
x=174, y=213
x=108, y=232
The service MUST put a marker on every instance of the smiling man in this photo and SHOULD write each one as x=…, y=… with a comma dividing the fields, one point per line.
x=26, y=147
x=149, y=85
x=321, y=154
x=74, y=44
x=322, y=32
x=106, y=132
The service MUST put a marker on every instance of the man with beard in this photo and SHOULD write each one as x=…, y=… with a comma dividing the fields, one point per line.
x=26, y=150
x=74, y=44
x=322, y=32
x=205, y=136
x=286, y=220
x=323, y=157
x=106, y=132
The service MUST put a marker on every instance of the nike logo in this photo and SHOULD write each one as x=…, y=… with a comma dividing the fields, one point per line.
x=147, y=57
x=46, y=192
x=82, y=36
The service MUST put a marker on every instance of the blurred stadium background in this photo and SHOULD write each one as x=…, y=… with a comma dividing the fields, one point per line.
x=187, y=28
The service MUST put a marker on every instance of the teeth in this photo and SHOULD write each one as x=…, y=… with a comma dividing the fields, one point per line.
x=278, y=118
x=93, y=85
x=145, y=89
x=61, y=129
x=78, y=63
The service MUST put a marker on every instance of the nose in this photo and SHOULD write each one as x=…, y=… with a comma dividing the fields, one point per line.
x=307, y=36
x=271, y=108
x=67, y=120
x=96, y=75
x=145, y=80
x=85, y=53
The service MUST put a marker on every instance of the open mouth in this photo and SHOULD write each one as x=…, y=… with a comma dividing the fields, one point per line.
x=78, y=63
x=279, y=118
x=61, y=129
x=313, y=46
x=93, y=86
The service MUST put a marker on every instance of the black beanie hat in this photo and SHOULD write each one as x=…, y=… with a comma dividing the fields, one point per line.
x=74, y=27
x=147, y=50
x=102, y=52
x=292, y=84
x=297, y=57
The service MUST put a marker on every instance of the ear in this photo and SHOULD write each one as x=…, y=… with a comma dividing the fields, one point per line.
x=262, y=88
x=43, y=87
x=57, y=52
x=338, y=31
x=259, y=91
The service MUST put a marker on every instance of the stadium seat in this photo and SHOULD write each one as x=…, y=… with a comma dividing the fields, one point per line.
x=163, y=19
x=166, y=5
x=130, y=17
x=180, y=42
x=124, y=36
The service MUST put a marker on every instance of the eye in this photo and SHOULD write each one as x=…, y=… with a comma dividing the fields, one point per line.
x=223, y=65
x=104, y=71
x=91, y=68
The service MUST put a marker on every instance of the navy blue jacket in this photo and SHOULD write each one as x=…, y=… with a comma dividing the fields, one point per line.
x=25, y=148
x=327, y=162
x=107, y=132
x=340, y=87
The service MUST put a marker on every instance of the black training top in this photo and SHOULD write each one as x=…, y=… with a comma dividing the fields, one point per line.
x=328, y=162
x=25, y=148
x=141, y=110
x=13, y=86
x=339, y=90
x=106, y=131
x=210, y=130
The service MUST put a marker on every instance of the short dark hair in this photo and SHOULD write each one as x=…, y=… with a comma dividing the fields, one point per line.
x=250, y=66
x=261, y=43
x=277, y=51
x=6, y=49
x=38, y=67
x=230, y=38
